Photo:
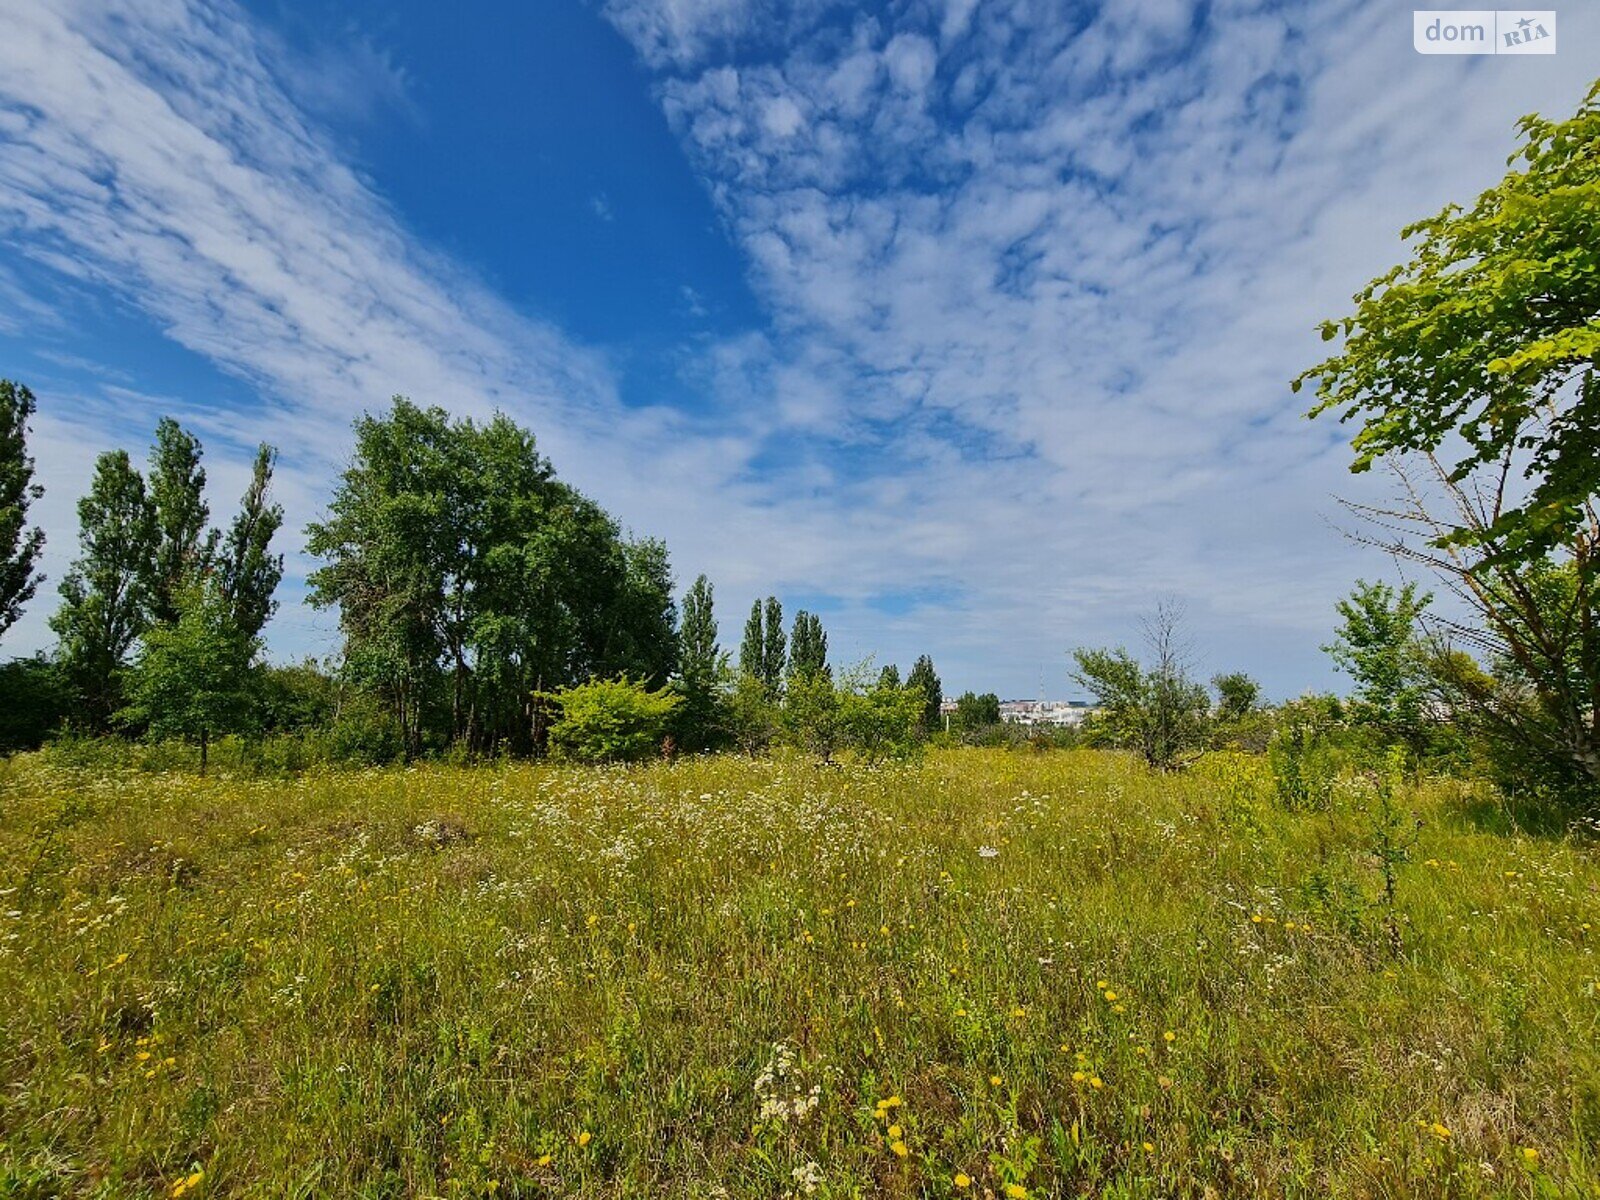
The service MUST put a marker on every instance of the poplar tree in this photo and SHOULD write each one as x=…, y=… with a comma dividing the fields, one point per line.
x=183, y=545
x=20, y=546
x=924, y=679
x=808, y=647
x=774, y=646
x=105, y=598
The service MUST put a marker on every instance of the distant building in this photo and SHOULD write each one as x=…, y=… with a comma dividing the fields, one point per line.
x=1045, y=712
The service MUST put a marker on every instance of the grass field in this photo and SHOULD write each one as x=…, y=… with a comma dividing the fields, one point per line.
x=985, y=974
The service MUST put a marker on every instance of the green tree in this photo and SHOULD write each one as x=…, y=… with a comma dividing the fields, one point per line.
x=104, y=595
x=1379, y=646
x=471, y=582
x=20, y=546
x=1237, y=696
x=611, y=720
x=752, y=713
x=702, y=667
x=926, y=681
x=249, y=571
x=774, y=649
x=808, y=646
x=889, y=676
x=1485, y=345
x=974, y=712
x=881, y=721
x=753, y=648
x=1158, y=711
x=1474, y=369
x=184, y=545
x=812, y=717
x=192, y=676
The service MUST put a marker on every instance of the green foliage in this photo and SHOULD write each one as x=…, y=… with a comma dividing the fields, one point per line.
x=20, y=546
x=183, y=546
x=1237, y=696
x=752, y=713
x=925, y=680
x=192, y=679
x=296, y=697
x=889, y=676
x=468, y=578
x=249, y=571
x=774, y=652
x=105, y=595
x=35, y=701
x=812, y=717
x=1487, y=340
x=808, y=646
x=880, y=721
x=974, y=712
x=1158, y=711
x=1304, y=769
x=702, y=722
x=611, y=720
x=1380, y=648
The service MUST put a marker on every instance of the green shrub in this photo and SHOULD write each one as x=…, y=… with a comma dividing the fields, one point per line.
x=611, y=720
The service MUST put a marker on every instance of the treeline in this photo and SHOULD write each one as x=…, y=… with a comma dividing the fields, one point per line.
x=486, y=607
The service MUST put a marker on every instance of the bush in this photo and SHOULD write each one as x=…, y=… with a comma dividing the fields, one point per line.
x=882, y=721
x=611, y=720
x=35, y=701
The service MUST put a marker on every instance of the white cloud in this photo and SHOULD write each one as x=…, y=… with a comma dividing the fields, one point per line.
x=1065, y=311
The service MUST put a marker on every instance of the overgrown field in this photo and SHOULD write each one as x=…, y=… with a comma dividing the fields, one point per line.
x=986, y=974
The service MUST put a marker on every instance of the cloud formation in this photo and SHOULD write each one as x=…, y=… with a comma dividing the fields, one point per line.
x=1035, y=276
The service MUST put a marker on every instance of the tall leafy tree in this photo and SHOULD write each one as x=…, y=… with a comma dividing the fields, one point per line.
x=808, y=646
x=753, y=647
x=249, y=572
x=774, y=648
x=471, y=582
x=925, y=680
x=192, y=676
x=1484, y=348
x=390, y=541
x=701, y=668
x=104, y=596
x=184, y=544
x=889, y=677
x=20, y=546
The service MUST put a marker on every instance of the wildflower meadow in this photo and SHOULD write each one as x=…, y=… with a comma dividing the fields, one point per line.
x=982, y=973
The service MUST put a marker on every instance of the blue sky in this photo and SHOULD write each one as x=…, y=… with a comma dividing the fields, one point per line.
x=968, y=326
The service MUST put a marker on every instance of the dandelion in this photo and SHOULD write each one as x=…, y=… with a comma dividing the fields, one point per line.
x=1169, y=1037
x=963, y=1180
x=900, y=1149
x=1016, y=1191
x=584, y=1139
x=1149, y=1147
x=1110, y=996
x=1096, y=1082
x=995, y=1081
x=896, y=1133
x=1439, y=1131
x=1530, y=1155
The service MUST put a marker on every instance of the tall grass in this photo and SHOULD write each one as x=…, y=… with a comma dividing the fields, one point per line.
x=987, y=974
